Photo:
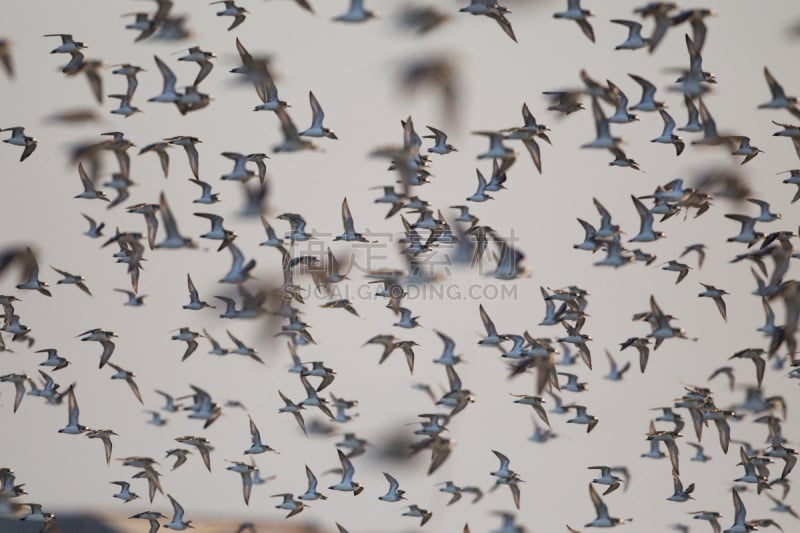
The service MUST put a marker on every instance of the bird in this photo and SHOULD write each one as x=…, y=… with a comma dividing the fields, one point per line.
x=124, y=493
x=318, y=115
x=676, y=266
x=168, y=92
x=667, y=136
x=53, y=359
x=194, y=297
x=134, y=300
x=257, y=446
x=680, y=494
x=356, y=13
x=203, y=60
x=634, y=41
x=291, y=407
x=646, y=221
x=602, y=519
x=159, y=148
x=744, y=148
x=105, y=436
x=491, y=9
x=350, y=234
x=289, y=504
x=190, y=147
x=95, y=230
x=616, y=373
x=173, y=238
x=180, y=455
x=104, y=338
x=74, y=279
x=246, y=472
x=207, y=196
x=606, y=478
x=128, y=376
x=73, y=427
x=203, y=446
x=218, y=232
x=311, y=492
x=125, y=108
x=716, y=294
x=177, y=523
x=68, y=44
x=231, y=10
x=441, y=146
x=416, y=511
x=347, y=484
x=579, y=15
x=5, y=57
x=395, y=493
x=603, y=138
x=582, y=417
x=779, y=100
x=18, y=138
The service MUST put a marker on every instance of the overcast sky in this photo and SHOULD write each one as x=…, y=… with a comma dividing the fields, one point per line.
x=354, y=72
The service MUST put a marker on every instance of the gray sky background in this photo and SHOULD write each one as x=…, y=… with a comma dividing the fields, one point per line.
x=353, y=71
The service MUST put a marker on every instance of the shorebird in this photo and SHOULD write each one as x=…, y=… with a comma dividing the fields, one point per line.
x=291, y=407
x=128, y=376
x=318, y=115
x=73, y=279
x=356, y=13
x=105, y=436
x=202, y=445
x=416, y=511
x=289, y=504
x=5, y=57
x=95, y=230
x=231, y=10
x=159, y=148
x=207, y=196
x=347, y=484
x=350, y=233
x=441, y=146
x=257, y=446
x=177, y=523
x=53, y=359
x=395, y=493
x=18, y=138
x=667, y=136
x=680, y=494
x=134, y=300
x=779, y=100
x=173, y=239
x=493, y=10
x=716, y=294
x=745, y=148
x=574, y=12
x=203, y=60
x=582, y=417
x=634, y=41
x=601, y=510
x=189, y=145
x=601, y=124
x=606, y=478
x=646, y=220
x=168, y=92
x=73, y=427
x=124, y=493
x=311, y=492
x=217, y=232
x=104, y=338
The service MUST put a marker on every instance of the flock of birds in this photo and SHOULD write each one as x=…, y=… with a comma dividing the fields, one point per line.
x=456, y=237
